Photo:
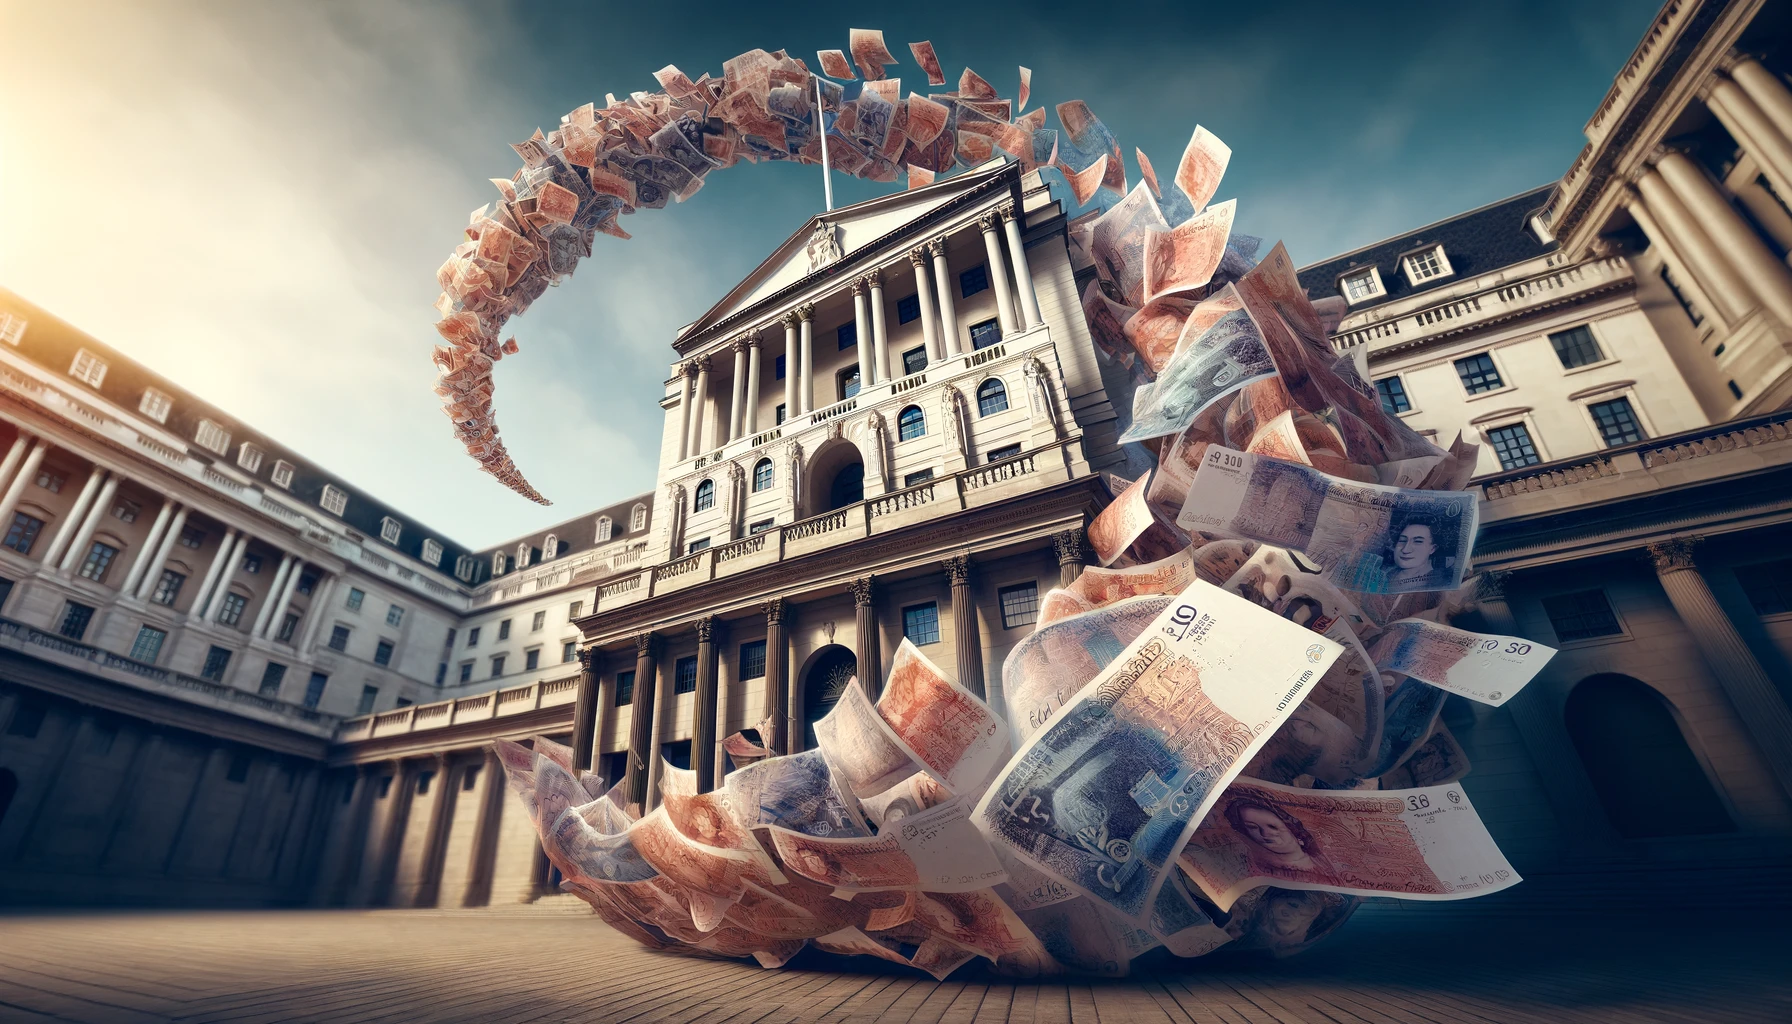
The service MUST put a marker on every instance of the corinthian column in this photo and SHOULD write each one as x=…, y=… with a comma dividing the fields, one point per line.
x=950, y=343
x=1750, y=126
x=968, y=640
x=879, y=330
x=585, y=712
x=777, y=648
x=147, y=552
x=861, y=328
x=930, y=325
x=641, y=726
x=16, y=488
x=1768, y=92
x=687, y=375
x=703, y=710
x=1711, y=268
x=998, y=273
x=737, y=402
x=806, y=387
x=698, y=401
x=1762, y=710
x=1765, y=275
x=871, y=673
x=1023, y=276
x=1676, y=260
x=1070, y=548
x=72, y=521
x=751, y=425
x=792, y=366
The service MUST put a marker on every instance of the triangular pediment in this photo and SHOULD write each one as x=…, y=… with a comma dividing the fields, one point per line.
x=837, y=236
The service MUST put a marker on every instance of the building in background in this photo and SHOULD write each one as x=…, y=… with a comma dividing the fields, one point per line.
x=893, y=429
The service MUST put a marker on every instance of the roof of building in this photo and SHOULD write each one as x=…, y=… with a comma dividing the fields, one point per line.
x=53, y=343
x=1481, y=240
x=580, y=533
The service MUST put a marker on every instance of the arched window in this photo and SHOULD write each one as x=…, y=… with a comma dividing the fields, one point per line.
x=705, y=497
x=762, y=475
x=497, y=563
x=550, y=548
x=992, y=397
x=522, y=555
x=1645, y=774
x=604, y=528
x=637, y=520
x=910, y=424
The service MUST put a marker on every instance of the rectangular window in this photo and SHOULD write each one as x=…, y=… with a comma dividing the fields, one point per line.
x=921, y=623
x=1580, y=615
x=148, y=645
x=382, y=653
x=288, y=626
x=1364, y=284
x=338, y=638
x=1020, y=605
x=282, y=474
x=696, y=546
x=232, y=611
x=1512, y=443
x=191, y=538
x=569, y=650
x=1007, y=451
x=248, y=456
x=1686, y=305
x=677, y=754
x=540, y=620
x=1393, y=395
x=919, y=476
x=779, y=416
x=213, y=437
x=6, y=586
x=441, y=673
x=986, y=334
x=504, y=630
x=75, y=618
x=497, y=665
x=355, y=596
x=1768, y=586
x=390, y=529
x=12, y=328
x=314, y=689
x=473, y=636
x=466, y=671
x=848, y=335
x=761, y=526
x=217, y=659
x=625, y=689
x=752, y=660
x=778, y=368
x=684, y=676
x=99, y=559
x=50, y=480
x=914, y=360
x=126, y=511
x=333, y=500
x=394, y=615
x=574, y=610
x=168, y=587
x=432, y=552
x=531, y=659
x=848, y=380
x=908, y=309
x=88, y=368
x=1617, y=422
x=155, y=405
x=974, y=280
x=23, y=532
x=1479, y=374
x=271, y=678
x=1423, y=266
x=369, y=694
x=1576, y=346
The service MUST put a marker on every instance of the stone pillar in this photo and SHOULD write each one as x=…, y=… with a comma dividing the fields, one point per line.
x=584, y=712
x=1768, y=92
x=225, y=575
x=1023, y=275
x=777, y=660
x=1752, y=128
x=16, y=489
x=280, y=607
x=73, y=521
x=398, y=810
x=1677, y=261
x=1070, y=548
x=969, y=641
x=1755, y=264
x=214, y=763
x=276, y=591
x=641, y=730
x=314, y=612
x=879, y=327
x=751, y=425
x=222, y=558
x=998, y=272
x=698, y=401
x=14, y=456
x=861, y=326
x=871, y=671
x=950, y=342
x=792, y=366
x=603, y=722
x=930, y=321
x=1711, y=268
x=687, y=377
x=805, y=388
x=737, y=397
x=102, y=504
x=485, y=834
x=354, y=846
x=441, y=813
x=129, y=791
x=146, y=586
x=145, y=551
x=1758, y=703
x=703, y=712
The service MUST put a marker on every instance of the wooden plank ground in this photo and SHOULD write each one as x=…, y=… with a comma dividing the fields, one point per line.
x=398, y=966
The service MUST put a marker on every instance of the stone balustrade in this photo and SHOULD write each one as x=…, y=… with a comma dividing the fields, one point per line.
x=1477, y=302
x=478, y=707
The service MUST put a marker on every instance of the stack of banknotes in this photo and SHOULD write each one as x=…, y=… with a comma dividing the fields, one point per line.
x=1224, y=736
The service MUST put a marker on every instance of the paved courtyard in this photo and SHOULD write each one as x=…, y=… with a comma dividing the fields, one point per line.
x=539, y=966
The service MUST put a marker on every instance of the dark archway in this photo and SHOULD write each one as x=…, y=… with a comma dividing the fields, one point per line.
x=824, y=679
x=836, y=477
x=1641, y=766
x=9, y=786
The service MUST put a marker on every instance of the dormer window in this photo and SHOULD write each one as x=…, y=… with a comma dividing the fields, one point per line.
x=249, y=457
x=432, y=552
x=212, y=437
x=465, y=566
x=522, y=555
x=88, y=368
x=550, y=548
x=155, y=405
x=1361, y=285
x=282, y=474
x=390, y=529
x=334, y=499
x=497, y=563
x=637, y=520
x=12, y=328
x=604, y=528
x=1427, y=264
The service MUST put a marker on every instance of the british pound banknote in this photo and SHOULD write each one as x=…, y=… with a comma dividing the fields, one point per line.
x=1047, y=670
x=944, y=727
x=1099, y=586
x=1106, y=794
x=1229, y=355
x=860, y=747
x=1380, y=540
x=1203, y=163
x=1424, y=844
x=938, y=850
x=1480, y=666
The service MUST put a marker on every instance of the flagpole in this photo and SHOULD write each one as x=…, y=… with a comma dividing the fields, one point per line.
x=827, y=182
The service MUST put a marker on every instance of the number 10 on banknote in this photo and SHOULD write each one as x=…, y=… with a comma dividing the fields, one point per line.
x=1106, y=795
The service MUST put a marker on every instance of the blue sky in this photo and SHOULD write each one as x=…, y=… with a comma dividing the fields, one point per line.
x=253, y=199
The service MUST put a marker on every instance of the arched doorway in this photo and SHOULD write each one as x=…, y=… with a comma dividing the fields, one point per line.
x=9, y=785
x=824, y=680
x=1643, y=770
x=836, y=477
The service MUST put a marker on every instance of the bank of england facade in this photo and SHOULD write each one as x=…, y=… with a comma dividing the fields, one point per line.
x=228, y=677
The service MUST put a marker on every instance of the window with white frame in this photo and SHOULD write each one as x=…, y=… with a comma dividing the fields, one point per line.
x=390, y=529
x=637, y=520
x=213, y=437
x=550, y=547
x=605, y=527
x=497, y=563
x=155, y=405
x=333, y=500
x=1361, y=285
x=12, y=328
x=465, y=566
x=522, y=555
x=1426, y=264
x=432, y=552
x=248, y=456
x=282, y=474
x=88, y=368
